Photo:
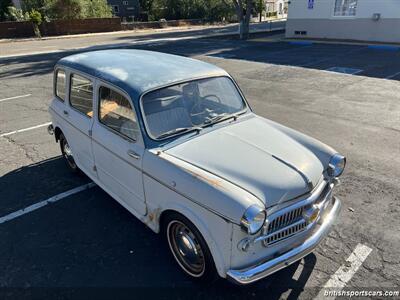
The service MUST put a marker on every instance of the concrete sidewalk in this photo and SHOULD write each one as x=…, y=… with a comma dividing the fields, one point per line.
x=136, y=32
x=118, y=39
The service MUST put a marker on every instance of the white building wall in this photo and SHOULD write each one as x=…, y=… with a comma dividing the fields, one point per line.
x=320, y=21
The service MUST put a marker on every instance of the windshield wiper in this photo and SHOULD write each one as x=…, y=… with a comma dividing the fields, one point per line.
x=222, y=117
x=179, y=130
x=216, y=118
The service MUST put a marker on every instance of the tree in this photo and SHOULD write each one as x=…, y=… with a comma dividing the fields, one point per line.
x=217, y=10
x=96, y=9
x=243, y=11
x=36, y=18
x=79, y=9
x=67, y=9
x=4, y=5
x=260, y=7
x=187, y=9
x=16, y=14
x=44, y=7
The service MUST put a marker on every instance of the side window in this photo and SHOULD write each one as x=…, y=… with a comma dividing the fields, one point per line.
x=60, y=84
x=116, y=113
x=81, y=95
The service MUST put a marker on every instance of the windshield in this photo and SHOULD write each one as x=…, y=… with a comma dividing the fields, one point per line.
x=190, y=106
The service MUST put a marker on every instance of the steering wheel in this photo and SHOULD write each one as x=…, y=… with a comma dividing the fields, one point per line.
x=213, y=96
x=199, y=109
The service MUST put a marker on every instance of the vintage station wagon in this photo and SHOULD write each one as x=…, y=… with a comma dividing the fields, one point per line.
x=174, y=141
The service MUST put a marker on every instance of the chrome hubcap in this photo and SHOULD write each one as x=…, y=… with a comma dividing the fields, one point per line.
x=186, y=249
x=68, y=154
x=67, y=150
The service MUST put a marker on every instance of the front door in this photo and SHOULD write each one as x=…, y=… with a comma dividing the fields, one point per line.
x=118, y=148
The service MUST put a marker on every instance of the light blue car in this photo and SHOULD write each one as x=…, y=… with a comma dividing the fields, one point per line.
x=174, y=141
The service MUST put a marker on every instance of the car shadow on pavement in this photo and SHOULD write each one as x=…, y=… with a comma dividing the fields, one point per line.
x=265, y=48
x=36, y=182
x=289, y=281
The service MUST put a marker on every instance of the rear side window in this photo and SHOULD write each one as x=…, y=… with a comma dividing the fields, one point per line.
x=60, y=84
x=81, y=94
x=116, y=112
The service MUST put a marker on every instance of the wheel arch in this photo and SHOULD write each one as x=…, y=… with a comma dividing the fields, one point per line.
x=57, y=133
x=202, y=227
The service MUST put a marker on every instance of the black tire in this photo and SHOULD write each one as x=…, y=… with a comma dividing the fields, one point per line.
x=68, y=156
x=207, y=272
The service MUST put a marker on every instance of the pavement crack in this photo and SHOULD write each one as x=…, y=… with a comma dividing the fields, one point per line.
x=24, y=149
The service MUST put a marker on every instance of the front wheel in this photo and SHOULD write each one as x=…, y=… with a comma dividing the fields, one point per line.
x=67, y=154
x=189, y=248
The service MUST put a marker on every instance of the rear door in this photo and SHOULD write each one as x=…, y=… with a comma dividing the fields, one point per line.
x=118, y=147
x=79, y=117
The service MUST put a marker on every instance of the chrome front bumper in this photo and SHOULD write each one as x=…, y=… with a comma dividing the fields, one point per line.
x=255, y=273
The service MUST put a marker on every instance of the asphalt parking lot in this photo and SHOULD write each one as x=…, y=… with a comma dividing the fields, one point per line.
x=88, y=243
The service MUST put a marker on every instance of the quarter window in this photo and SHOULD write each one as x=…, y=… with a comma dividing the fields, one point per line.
x=116, y=113
x=60, y=84
x=81, y=95
x=345, y=7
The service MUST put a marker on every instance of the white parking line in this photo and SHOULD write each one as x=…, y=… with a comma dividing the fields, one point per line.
x=393, y=75
x=346, y=271
x=38, y=205
x=25, y=129
x=16, y=97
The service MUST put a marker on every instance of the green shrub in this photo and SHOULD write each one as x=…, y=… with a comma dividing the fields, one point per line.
x=36, y=18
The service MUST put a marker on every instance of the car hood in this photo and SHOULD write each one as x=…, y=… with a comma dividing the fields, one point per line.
x=256, y=157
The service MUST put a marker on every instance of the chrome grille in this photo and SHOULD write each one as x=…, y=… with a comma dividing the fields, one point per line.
x=284, y=226
x=285, y=232
x=291, y=222
x=285, y=220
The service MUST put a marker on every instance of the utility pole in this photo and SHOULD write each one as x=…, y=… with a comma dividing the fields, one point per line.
x=261, y=9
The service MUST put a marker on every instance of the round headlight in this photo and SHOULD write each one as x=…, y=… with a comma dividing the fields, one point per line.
x=253, y=219
x=336, y=165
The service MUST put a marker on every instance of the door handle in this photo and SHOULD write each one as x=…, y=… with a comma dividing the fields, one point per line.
x=65, y=112
x=133, y=154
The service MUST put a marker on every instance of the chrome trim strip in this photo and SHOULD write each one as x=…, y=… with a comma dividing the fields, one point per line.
x=257, y=272
x=300, y=222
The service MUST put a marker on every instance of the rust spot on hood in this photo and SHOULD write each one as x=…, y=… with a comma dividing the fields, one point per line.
x=213, y=182
x=218, y=183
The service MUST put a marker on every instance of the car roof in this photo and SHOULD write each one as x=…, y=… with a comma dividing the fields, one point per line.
x=138, y=71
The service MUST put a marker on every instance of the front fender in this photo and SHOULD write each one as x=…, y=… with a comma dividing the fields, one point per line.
x=215, y=230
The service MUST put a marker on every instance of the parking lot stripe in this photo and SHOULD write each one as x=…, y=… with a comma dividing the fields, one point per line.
x=43, y=203
x=393, y=75
x=16, y=97
x=346, y=271
x=25, y=129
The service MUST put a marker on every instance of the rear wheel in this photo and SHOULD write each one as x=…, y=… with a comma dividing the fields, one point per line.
x=67, y=153
x=189, y=248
